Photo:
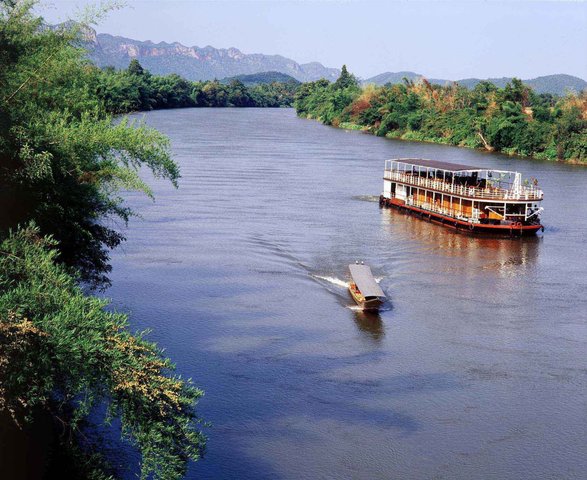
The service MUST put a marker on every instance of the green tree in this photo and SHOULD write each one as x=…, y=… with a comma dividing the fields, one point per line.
x=238, y=95
x=61, y=152
x=61, y=351
x=570, y=133
x=346, y=79
x=516, y=91
x=64, y=160
x=135, y=68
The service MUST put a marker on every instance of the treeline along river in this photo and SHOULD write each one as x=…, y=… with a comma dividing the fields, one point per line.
x=477, y=368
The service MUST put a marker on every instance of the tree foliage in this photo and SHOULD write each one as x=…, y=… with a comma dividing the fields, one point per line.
x=62, y=156
x=61, y=153
x=135, y=89
x=345, y=79
x=513, y=119
x=64, y=162
x=61, y=350
x=325, y=101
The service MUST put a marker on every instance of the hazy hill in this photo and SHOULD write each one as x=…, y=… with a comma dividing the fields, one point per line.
x=263, y=77
x=196, y=63
x=398, y=77
x=207, y=63
x=555, y=84
x=392, y=77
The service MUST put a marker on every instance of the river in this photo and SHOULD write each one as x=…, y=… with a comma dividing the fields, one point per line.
x=477, y=368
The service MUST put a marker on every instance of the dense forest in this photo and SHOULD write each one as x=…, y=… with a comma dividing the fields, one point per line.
x=135, y=88
x=263, y=77
x=512, y=120
x=64, y=164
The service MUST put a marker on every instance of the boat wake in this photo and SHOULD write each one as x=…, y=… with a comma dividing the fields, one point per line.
x=340, y=290
x=341, y=283
x=366, y=198
x=333, y=284
x=354, y=308
x=333, y=280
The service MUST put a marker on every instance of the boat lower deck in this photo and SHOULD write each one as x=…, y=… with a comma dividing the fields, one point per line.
x=513, y=230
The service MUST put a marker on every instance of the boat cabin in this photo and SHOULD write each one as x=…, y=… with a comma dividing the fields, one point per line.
x=364, y=288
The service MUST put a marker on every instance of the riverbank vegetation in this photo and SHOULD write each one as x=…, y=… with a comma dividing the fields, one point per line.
x=66, y=353
x=512, y=120
x=64, y=163
x=135, y=88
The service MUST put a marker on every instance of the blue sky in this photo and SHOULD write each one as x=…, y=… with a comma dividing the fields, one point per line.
x=441, y=39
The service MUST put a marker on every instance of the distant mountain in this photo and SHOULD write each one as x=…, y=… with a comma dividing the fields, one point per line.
x=555, y=84
x=207, y=63
x=195, y=63
x=392, y=77
x=263, y=77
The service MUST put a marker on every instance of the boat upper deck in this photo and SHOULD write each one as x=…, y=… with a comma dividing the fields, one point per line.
x=461, y=180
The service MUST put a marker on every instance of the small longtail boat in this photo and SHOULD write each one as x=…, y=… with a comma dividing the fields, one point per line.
x=364, y=289
x=466, y=198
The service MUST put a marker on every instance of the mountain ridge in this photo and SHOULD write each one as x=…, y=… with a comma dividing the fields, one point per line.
x=195, y=63
x=262, y=77
x=555, y=84
x=208, y=63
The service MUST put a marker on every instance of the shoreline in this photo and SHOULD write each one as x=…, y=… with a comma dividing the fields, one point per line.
x=367, y=130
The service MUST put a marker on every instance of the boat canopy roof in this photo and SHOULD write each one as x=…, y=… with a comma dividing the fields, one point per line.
x=364, y=280
x=451, y=167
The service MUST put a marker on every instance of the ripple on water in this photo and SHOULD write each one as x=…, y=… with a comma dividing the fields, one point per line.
x=478, y=369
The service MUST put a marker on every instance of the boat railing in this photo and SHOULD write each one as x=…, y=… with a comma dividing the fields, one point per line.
x=524, y=193
x=449, y=212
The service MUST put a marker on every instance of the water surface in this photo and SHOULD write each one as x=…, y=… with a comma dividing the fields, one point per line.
x=476, y=369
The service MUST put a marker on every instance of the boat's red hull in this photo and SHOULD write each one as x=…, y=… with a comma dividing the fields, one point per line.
x=465, y=227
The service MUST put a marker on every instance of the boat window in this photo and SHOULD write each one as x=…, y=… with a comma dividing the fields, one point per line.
x=513, y=208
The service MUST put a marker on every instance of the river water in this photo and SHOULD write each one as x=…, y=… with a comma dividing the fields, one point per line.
x=477, y=368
